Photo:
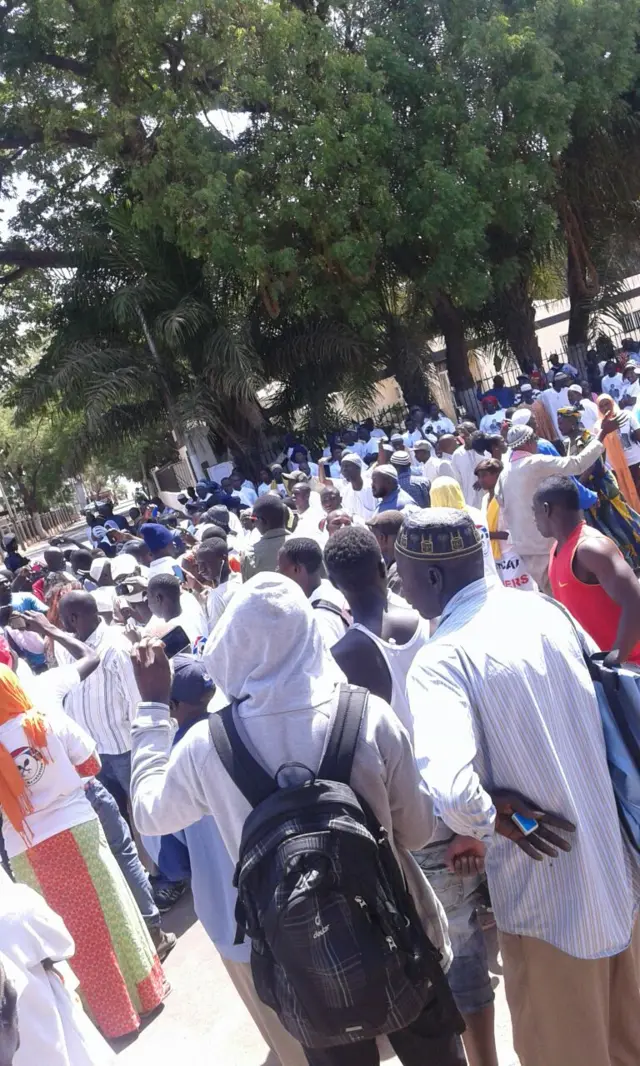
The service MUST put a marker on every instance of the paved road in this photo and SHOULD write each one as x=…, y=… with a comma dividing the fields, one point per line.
x=205, y=1022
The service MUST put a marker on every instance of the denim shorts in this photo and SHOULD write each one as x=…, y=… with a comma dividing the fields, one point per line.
x=468, y=976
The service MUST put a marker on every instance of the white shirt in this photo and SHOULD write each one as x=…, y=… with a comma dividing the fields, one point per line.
x=492, y=424
x=53, y=785
x=464, y=462
x=438, y=426
x=331, y=625
x=501, y=705
x=54, y=1030
x=165, y=565
x=412, y=438
x=613, y=385
x=631, y=447
x=104, y=703
x=246, y=494
x=630, y=388
x=443, y=467
x=191, y=618
x=590, y=413
x=360, y=502
x=553, y=401
x=218, y=600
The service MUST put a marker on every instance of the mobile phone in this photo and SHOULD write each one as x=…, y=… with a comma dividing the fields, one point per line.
x=123, y=588
x=525, y=825
x=176, y=641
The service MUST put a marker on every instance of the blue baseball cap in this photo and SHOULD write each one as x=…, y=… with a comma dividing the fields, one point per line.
x=190, y=679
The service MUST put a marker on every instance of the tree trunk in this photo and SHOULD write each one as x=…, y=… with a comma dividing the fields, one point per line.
x=450, y=320
x=580, y=302
x=407, y=363
x=518, y=319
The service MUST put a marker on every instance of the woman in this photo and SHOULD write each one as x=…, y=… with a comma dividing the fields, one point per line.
x=446, y=492
x=623, y=448
x=56, y=845
x=300, y=461
x=51, y=1024
x=611, y=514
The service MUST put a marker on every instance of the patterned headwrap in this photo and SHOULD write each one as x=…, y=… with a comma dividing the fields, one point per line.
x=437, y=544
x=570, y=412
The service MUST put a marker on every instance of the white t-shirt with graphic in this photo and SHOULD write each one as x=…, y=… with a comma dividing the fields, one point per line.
x=631, y=447
x=53, y=785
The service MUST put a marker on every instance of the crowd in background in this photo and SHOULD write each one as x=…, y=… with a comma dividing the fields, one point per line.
x=392, y=559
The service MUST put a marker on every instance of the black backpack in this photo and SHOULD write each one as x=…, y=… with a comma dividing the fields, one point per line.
x=338, y=950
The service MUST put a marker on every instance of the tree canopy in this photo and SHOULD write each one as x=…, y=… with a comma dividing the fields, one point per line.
x=217, y=196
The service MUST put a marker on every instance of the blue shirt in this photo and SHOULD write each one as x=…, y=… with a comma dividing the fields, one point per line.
x=588, y=498
x=26, y=601
x=416, y=487
x=199, y=852
x=396, y=501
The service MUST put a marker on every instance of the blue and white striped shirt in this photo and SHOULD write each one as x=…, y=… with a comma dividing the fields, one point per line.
x=501, y=699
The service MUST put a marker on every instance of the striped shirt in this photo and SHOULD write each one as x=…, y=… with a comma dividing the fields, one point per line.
x=501, y=699
x=105, y=702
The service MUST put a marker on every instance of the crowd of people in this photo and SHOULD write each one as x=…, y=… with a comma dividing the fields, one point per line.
x=317, y=698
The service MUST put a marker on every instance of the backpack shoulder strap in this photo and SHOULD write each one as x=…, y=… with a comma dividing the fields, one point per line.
x=332, y=608
x=338, y=758
x=246, y=773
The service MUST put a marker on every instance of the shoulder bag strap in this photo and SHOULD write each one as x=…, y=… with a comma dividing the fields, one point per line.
x=338, y=759
x=246, y=773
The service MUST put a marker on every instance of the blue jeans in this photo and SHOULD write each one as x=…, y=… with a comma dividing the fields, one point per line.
x=468, y=975
x=123, y=847
x=115, y=775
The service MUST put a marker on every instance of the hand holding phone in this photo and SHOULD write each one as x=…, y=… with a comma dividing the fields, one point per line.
x=531, y=829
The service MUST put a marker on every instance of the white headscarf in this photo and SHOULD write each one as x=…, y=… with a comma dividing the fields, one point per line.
x=268, y=652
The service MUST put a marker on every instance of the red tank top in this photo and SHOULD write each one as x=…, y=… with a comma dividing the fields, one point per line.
x=589, y=604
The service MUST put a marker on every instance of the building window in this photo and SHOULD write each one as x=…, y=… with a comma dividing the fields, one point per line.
x=631, y=322
x=564, y=342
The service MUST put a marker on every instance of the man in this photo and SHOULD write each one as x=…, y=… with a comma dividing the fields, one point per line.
x=285, y=692
x=496, y=707
x=494, y=416
x=384, y=483
x=630, y=392
x=436, y=422
x=554, y=398
x=161, y=544
x=413, y=432
x=612, y=380
x=243, y=488
x=464, y=461
x=301, y=560
x=441, y=464
x=270, y=514
x=380, y=645
x=105, y=702
x=500, y=393
x=337, y=520
x=172, y=609
x=106, y=512
x=378, y=652
x=588, y=573
x=523, y=474
x=212, y=558
x=415, y=487
x=557, y=367
x=309, y=514
x=356, y=491
x=385, y=528
x=590, y=413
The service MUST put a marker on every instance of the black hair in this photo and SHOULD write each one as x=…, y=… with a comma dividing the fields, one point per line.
x=167, y=584
x=137, y=547
x=302, y=551
x=328, y=491
x=217, y=532
x=558, y=491
x=480, y=442
x=211, y=544
x=388, y=522
x=271, y=510
x=218, y=514
x=81, y=559
x=353, y=557
x=466, y=427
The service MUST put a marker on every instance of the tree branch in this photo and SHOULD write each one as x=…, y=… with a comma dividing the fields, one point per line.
x=13, y=275
x=74, y=66
x=33, y=258
x=12, y=139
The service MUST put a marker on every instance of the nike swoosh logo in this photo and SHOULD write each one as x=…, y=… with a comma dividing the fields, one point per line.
x=563, y=584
